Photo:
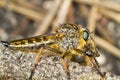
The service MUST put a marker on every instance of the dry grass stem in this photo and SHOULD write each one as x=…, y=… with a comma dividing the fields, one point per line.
x=105, y=34
x=107, y=46
x=92, y=18
x=28, y=5
x=70, y=16
x=110, y=14
x=105, y=4
x=62, y=13
x=33, y=15
x=42, y=28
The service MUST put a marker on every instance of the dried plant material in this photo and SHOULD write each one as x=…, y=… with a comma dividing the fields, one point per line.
x=108, y=47
x=104, y=4
x=92, y=18
x=105, y=34
x=48, y=19
x=33, y=15
x=111, y=14
x=62, y=13
x=29, y=5
x=70, y=16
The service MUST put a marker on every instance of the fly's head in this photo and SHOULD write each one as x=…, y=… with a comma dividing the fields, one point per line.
x=87, y=44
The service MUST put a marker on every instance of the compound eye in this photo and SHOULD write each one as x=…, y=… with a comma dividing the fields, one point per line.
x=85, y=35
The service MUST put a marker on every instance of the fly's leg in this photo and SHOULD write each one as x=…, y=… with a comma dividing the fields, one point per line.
x=90, y=61
x=96, y=66
x=69, y=56
x=66, y=68
x=38, y=57
x=62, y=60
x=102, y=74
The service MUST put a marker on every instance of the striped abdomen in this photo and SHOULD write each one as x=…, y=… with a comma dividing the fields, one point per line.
x=30, y=44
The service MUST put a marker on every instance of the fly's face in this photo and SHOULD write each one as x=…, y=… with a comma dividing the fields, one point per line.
x=86, y=43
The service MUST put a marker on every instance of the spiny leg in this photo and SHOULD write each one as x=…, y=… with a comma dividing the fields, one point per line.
x=95, y=65
x=37, y=59
x=102, y=74
x=62, y=60
x=66, y=68
x=73, y=57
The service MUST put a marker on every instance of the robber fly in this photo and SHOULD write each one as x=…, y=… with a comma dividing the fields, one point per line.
x=70, y=42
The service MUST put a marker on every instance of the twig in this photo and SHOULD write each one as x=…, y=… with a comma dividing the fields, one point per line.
x=105, y=33
x=62, y=13
x=107, y=46
x=92, y=18
x=29, y=5
x=48, y=19
x=105, y=4
x=34, y=15
x=110, y=14
x=70, y=16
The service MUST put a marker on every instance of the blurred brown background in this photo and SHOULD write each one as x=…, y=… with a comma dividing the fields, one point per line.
x=26, y=18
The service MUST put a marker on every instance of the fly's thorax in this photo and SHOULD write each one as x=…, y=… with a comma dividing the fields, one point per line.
x=69, y=39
